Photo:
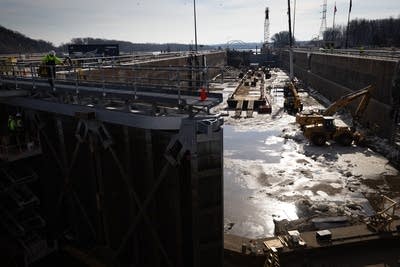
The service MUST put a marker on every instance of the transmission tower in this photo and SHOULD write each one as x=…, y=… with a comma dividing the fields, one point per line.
x=322, y=29
x=266, y=26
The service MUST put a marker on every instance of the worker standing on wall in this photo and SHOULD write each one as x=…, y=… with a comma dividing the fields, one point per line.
x=50, y=61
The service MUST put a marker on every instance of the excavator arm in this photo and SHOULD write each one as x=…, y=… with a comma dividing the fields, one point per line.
x=362, y=106
x=349, y=98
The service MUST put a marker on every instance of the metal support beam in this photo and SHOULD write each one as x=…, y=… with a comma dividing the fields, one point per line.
x=147, y=94
x=61, y=139
x=109, y=116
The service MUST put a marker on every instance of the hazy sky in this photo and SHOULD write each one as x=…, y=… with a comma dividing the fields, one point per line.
x=165, y=21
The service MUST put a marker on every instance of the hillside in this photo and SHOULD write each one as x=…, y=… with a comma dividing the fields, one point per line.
x=14, y=42
x=127, y=47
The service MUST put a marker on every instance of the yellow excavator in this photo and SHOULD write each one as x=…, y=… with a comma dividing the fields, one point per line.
x=292, y=102
x=324, y=128
x=314, y=117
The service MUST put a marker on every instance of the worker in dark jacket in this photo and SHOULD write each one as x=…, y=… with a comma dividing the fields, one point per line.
x=50, y=61
x=20, y=131
x=12, y=127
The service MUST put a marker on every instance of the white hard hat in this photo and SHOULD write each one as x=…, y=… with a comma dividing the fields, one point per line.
x=52, y=52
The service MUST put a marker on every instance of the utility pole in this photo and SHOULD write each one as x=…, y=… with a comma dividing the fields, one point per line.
x=294, y=18
x=334, y=16
x=348, y=26
x=290, y=25
x=266, y=27
x=195, y=26
x=290, y=45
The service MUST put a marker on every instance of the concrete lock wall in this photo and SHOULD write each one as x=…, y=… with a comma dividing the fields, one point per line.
x=337, y=75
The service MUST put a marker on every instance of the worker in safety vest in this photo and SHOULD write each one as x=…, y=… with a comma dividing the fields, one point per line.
x=50, y=61
x=12, y=126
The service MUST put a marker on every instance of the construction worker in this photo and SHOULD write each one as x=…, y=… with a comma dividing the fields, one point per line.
x=50, y=61
x=12, y=129
x=19, y=125
x=11, y=124
x=19, y=129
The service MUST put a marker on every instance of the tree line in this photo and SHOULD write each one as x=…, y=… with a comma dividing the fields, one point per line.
x=366, y=33
x=362, y=33
x=125, y=46
x=12, y=42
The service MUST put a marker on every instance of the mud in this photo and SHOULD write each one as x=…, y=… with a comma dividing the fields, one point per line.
x=272, y=173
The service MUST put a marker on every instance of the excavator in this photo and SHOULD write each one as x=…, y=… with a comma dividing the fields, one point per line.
x=314, y=117
x=292, y=102
x=324, y=128
x=319, y=133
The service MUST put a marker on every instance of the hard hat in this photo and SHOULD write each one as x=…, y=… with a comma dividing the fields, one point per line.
x=18, y=114
x=52, y=52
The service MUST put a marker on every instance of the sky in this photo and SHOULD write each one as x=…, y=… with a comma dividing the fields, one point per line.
x=166, y=21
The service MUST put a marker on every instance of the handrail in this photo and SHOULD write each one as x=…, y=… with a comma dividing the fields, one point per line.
x=116, y=80
x=98, y=72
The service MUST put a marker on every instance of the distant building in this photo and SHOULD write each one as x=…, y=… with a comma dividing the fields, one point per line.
x=93, y=50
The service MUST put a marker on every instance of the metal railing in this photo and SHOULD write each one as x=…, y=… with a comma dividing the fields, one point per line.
x=20, y=148
x=121, y=59
x=108, y=78
x=387, y=54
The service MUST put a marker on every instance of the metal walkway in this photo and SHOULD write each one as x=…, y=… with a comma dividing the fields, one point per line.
x=145, y=97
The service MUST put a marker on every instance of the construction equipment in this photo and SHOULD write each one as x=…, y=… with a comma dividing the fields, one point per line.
x=7, y=65
x=292, y=102
x=315, y=117
x=381, y=221
x=22, y=143
x=319, y=133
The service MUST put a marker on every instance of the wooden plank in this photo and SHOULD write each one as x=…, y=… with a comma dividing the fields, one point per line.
x=250, y=105
x=250, y=108
x=238, y=113
x=239, y=105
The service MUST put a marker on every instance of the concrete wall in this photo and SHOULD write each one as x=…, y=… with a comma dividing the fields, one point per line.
x=336, y=75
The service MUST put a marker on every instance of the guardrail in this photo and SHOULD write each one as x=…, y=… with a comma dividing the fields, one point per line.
x=142, y=56
x=106, y=72
x=389, y=54
x=172, y=85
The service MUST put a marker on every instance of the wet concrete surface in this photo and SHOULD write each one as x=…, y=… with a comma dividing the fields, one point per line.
x=272, y=173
